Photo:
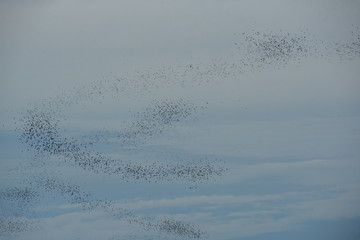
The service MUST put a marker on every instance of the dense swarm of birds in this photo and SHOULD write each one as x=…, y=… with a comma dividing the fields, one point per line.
x=16, y=201
x=265, y=49
x=350, y=49
x=179, y=228
x=162, y=115
x=159, y=172
x=138, y=237
x=152, y=121
x=24, y=195
x=41, y=131
x=14, y=225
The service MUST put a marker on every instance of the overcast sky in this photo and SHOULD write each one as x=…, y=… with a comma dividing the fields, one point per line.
x=154, y=119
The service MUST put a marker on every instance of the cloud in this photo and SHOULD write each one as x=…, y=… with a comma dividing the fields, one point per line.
x=220, y=200
x=77, y=225
x=230, y=216
x=333, y=173
x=245, y=135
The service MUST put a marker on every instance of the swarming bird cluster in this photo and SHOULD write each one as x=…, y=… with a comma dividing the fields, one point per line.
x=13, y=224
x=276, y=49
x=15, y=202
x=350, y=49
x=161, y=115
x=152, y=121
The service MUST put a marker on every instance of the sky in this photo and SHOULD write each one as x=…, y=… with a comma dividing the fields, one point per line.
x=154, y=119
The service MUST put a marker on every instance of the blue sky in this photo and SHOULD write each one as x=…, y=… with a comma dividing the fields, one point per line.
x=234, y=120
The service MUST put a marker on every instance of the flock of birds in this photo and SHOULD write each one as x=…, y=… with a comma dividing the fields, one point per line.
x=41, y=132
x=159, y=116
